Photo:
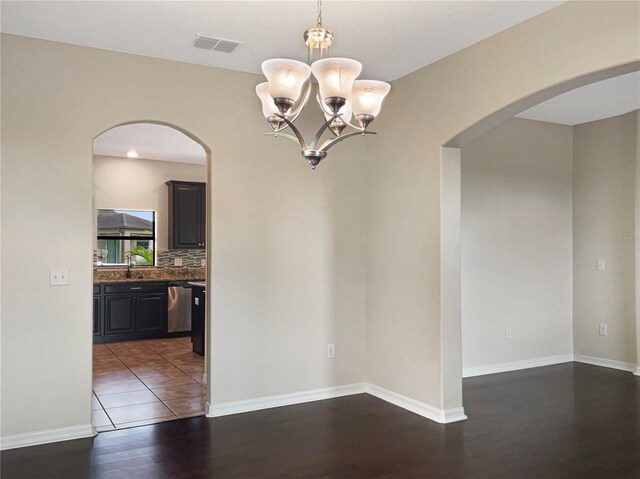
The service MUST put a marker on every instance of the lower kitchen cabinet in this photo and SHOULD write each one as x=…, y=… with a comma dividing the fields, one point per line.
x=97, y=315
x=129, y=311
x=198, y=315
x=119, y=314
x=151, y=312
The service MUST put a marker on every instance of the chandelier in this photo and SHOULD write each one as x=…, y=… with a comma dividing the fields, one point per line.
x=340, y=96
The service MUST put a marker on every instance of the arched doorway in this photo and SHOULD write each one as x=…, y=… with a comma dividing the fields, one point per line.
x=450, y=209
x=150, y=252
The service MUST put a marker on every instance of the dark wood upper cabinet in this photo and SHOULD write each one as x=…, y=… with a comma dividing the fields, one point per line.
x=187, y=215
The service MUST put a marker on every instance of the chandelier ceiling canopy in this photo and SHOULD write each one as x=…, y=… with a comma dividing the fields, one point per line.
x=341, y=97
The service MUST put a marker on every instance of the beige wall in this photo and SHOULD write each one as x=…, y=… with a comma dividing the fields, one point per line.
x=138, y=184
x=298, y=257
x=604, y=211
x=517, y=243
x=288, y=249
x=459, y=96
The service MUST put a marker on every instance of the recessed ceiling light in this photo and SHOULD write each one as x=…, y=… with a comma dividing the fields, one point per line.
x=132, y=154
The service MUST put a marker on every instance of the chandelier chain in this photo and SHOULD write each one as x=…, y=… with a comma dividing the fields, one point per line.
x=319, y=19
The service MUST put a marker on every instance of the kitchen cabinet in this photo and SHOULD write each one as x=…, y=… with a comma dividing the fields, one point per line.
x=129, y=310
x=198, y=315
x=97, y=314
x=151, y=312
x=119, y=314
x=187, y=214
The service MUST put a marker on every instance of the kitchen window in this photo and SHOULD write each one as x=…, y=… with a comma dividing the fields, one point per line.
x=125, y=235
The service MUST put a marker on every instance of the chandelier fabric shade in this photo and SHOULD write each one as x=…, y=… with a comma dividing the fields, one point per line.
x=340, y=95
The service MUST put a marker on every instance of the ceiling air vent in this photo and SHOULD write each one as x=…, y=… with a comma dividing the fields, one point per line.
x=216, y=44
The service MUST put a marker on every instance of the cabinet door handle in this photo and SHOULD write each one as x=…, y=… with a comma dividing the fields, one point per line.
x=136, y=287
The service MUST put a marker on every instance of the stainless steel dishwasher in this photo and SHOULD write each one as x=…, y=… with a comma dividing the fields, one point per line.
x=179, y=304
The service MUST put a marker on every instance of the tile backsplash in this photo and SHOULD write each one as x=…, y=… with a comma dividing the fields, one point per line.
x=191, y=258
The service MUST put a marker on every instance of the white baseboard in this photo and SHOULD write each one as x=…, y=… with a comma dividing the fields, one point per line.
x=236, y=407
x=606, y=363
x=423, y=409
x=44, y=437
x=516, y=365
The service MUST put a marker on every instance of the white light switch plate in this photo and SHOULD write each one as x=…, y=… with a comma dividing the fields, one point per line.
x=507, y=333
x=603, y=329
x=58, y=277
x=599, y=265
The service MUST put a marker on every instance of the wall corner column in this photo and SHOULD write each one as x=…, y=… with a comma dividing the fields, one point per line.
x=450, y=285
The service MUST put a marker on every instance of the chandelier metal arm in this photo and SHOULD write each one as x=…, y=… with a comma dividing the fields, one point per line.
x=284, y=135
x=296, y=132
x=334, y=141
x=326, y=110
x=316, y=139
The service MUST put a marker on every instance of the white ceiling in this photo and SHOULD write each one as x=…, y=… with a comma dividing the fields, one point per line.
x=151, y=142
x=390, y=38
x=596, y=101
x=375, y=32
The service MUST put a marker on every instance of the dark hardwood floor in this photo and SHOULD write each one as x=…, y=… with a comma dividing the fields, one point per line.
x=565, y=421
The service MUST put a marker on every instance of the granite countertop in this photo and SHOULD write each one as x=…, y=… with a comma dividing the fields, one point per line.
x=145, y=280
x=142, y=274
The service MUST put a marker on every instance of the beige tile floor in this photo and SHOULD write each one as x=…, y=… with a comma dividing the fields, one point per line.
x=144, y=382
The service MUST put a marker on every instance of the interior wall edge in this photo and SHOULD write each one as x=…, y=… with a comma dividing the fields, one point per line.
x=637, y=240
x=605, y=225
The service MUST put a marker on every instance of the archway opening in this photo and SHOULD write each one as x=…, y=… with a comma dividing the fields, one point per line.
x=151, y=253
x=451, y=279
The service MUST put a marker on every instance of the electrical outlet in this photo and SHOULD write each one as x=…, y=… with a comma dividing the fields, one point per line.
x=331, y=351
x=177, y=261
x=603, y=329
x=203, y=263
x=600, y=265
x=507, y=333
x=58, y=277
